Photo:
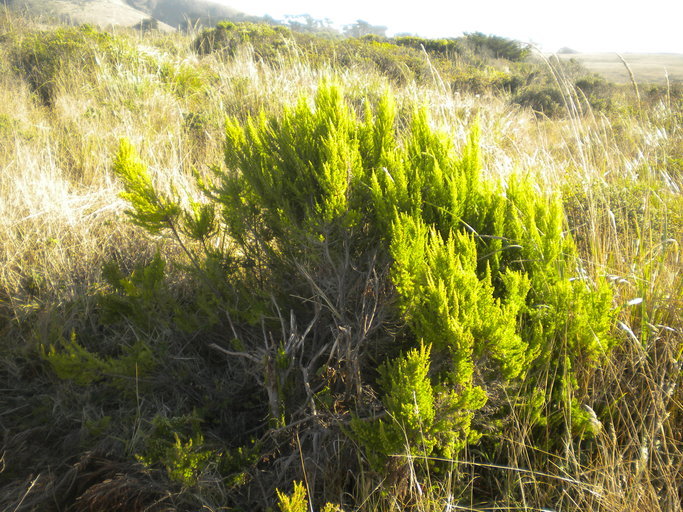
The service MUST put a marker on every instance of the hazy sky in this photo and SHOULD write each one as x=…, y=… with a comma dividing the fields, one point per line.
x=585, y=25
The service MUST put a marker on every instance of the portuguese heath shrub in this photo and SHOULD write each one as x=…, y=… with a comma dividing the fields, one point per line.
x=483, y=276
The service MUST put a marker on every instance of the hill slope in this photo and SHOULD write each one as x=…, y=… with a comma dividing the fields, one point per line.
x=177, y=13
x=169, y=13
x=97, y=12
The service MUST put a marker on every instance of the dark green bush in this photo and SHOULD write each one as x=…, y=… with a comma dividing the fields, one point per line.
x=596, y=91
x=228, y=37
x=497, y=47
x=542, y=99
x=71, y=361
x=447, y=48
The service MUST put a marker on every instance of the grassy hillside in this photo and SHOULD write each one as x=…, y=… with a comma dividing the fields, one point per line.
x=249, y=269
x=169, y=14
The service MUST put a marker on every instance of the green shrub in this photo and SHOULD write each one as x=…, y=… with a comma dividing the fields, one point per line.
x=183, y=79
x=141, y=298
x=177, y=444
x=298, y=502
x=480, y=80
x=596, y=91
x=401, y=59
x=448, y=48
x=316, y=199
x=228, y=37
x=420, y=420
x=43, y=57
x=71, y=361
x=542, y=99
x=497, y=47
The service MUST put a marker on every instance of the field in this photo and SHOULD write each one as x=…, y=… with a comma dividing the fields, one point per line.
x=646, y=67
x=243, y=268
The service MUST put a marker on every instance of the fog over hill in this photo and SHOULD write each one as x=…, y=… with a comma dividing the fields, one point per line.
x=178, y=13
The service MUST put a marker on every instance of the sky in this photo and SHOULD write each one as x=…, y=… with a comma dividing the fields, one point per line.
x=583, y=25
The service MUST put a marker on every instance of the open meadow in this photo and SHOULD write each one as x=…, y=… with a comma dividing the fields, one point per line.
x=244, y=268
x=652, y=68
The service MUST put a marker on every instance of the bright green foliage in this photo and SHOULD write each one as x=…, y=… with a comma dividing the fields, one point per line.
x=184, y=460
x=419, y=420
x=427, y=179
x=447, y=304
x=332, y=507
x=71, y=361
x=141, y=297
x=294, y=171
x=445, y=301
x=297, y=502
x=473, y=260
x=150, y=209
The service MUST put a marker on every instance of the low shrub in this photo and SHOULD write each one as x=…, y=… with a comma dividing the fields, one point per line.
x=546, y=100
x=41, y=57
x=331, y=223
x=497, y=46
x=228, y=37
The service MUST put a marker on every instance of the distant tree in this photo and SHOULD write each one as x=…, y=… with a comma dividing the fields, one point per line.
x=362, y=28
x=308, y=24
x=497, y=46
